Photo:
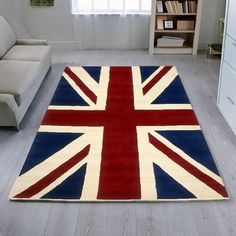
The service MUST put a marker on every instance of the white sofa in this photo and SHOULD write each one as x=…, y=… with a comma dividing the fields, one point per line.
x=23, y=66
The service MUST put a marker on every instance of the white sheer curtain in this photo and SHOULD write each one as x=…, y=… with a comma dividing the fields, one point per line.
x=111, y=31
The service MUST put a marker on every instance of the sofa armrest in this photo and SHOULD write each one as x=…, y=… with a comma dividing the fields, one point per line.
x=8, y=111
x=9, y=100
x=32, y=42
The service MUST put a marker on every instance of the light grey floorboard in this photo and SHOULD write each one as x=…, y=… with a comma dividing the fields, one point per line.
x=200, y=79
x=90, y=218
x=66, y=218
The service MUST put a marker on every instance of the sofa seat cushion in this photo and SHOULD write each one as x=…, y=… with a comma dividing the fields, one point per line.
x=27, y=53
x=17, y=77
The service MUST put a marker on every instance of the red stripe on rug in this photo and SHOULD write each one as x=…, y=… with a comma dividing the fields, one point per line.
x=188, y=167
x=88, y=92
x=55, y=174
x=158, y=77
x=164, y=117
x=119, y=175
x=103, y=118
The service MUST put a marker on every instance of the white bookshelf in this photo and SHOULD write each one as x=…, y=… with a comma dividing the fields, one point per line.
x=191, y=36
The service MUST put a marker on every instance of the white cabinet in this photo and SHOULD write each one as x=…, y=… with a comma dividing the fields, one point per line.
x=231, y=28
x=227, y=83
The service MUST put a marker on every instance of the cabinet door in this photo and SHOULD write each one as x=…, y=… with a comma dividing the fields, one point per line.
x=231, y=21
x=227, y=103
x=230, y=51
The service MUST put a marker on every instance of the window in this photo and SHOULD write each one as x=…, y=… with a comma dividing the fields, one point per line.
x=111, y=6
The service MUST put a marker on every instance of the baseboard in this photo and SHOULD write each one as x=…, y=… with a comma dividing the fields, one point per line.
x=69, y=45
x=102, y=44
x=138, y=44
x=202, y=46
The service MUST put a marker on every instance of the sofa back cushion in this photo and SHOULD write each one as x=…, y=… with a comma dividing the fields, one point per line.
x=7, y=36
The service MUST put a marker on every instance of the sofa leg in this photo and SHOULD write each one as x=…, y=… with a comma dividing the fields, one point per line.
x=17, y=127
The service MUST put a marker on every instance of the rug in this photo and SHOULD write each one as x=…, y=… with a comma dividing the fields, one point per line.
x=119, y=134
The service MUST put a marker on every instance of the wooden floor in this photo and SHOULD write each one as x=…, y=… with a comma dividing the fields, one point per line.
x=200, y=78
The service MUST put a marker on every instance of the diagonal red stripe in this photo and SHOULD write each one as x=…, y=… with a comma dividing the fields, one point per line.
x=55, y=174
x=188, y=167
x=88, y=92
x=152, y=83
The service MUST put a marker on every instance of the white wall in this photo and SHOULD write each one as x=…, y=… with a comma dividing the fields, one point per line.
x=52, y=23
x=61, y=28
x=211, y=12
x=13, y=10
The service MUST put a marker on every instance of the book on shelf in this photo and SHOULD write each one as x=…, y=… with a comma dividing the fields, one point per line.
x=172, y=37
x=192, y=6
x=175, y=6
x=179, y=7
x=186, y=6
x=182, y=6
x=169, y=7
x=159, y=7
x=170, y=41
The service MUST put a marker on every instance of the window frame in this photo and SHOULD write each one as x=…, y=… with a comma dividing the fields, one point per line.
x=76, y=11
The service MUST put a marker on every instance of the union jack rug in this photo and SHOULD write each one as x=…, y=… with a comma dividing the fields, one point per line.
x=119, y=134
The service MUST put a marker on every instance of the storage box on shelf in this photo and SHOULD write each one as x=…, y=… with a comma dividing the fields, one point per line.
x=178, y=19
